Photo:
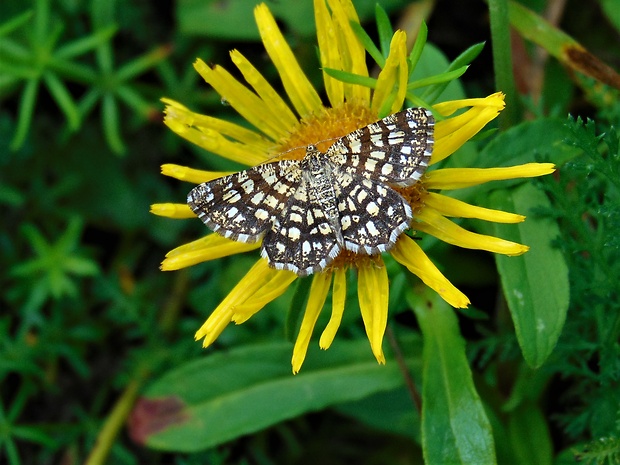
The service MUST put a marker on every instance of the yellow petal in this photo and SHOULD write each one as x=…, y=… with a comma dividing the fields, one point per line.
x=172, y=210
x=268, y=292
x=257, y=277
x=431, y=222
x=299, y=89
x=451, y=134
x=494, y=100
x=328, y=51
x=459, y=178
x=272, y=101
x=177, y=112
x=215, y=142
x=183, y=173
x=392, y=78
x=411, y=255
x=352, y=51
x=246, y=102
x=448, y=206
x=207, y=248
x=316, y=300
x=373, y=295
x=339, y=297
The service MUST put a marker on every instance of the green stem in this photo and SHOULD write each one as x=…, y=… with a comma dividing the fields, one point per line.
x=115, y=421
x=502, y=61
x=402, y=365
x=172, y=307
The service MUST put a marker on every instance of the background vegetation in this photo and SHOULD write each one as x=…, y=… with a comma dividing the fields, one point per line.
x=91, y=332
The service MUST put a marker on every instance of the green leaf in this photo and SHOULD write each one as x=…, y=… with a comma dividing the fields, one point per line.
x=529, y=436
x=502, y=62
x=432, y=62
x=63, y=98
x=235, y=19
x=610, y=7
x=535, y=284
x=535, y=28
x=80, y=266
x=455, y=428
x=141, y=64
x=467, y=56
x=26, y=109
x=111, y=124
x=523, y=143
x=438, y=79
x=135, y=101
x=11, y=196
x=351, y=78
x=398, y=414
x=15, y=23
x=541, y=139
x=226, y=395
x=384, y=29
x=85, y=44
x=418, y=45
x=368, y=44
x=455, y=70
x=561, y=45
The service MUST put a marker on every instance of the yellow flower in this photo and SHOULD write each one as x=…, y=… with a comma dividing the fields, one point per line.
x=284, y=132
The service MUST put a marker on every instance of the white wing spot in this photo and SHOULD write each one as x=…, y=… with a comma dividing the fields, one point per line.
x=372, y=208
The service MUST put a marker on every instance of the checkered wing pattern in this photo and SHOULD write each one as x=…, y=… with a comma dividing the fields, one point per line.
x=395, y=150
x=308, y=211
x=303, y=239
x=242, y=206
x=372, y=214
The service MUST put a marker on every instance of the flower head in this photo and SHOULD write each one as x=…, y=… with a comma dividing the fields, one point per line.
x=284, y=132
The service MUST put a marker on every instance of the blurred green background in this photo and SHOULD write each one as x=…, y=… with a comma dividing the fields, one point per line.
x=88, y=322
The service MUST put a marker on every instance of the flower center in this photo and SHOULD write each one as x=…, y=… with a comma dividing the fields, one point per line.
x=322, y=131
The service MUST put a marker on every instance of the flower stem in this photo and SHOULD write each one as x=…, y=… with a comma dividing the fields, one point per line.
x=502, y=61
x=400, y=359
x=115, y=421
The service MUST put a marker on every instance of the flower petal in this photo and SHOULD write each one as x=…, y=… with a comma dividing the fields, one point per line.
x=242, y=99
x=259, y=275
x=449, y=107
x=459, y=178
x=411, y=255
x=177, y=211
x=392, y=78
x=352, y=51
x=316, y=300
x=202, y=250
x=268, y=292
x=299, y=89
x=373, y=295
x=449, y=206
x=183, y=173
x=452, y=133
x=215, y=142
x=431, y=222
x=272, y=101
x=176, y=111
x=339, y=297
x=328, y=51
